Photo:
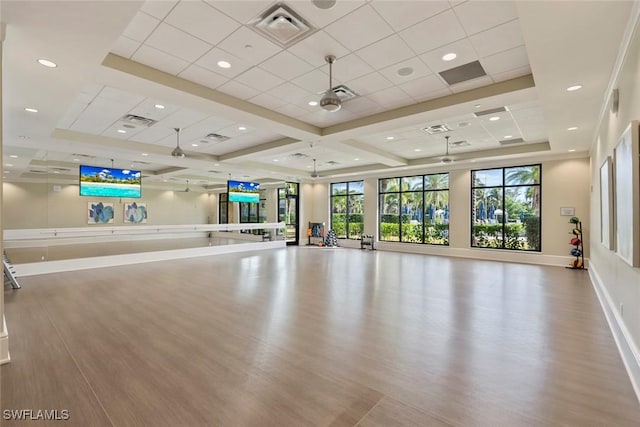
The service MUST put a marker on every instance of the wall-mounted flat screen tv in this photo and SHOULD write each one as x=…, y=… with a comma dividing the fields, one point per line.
x=97, y=181
x=243, y=191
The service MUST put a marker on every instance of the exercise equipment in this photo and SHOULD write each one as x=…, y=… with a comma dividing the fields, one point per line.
x=576, y=241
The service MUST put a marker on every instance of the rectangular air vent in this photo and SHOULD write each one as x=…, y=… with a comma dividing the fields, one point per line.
x=459, y=144
x=463, y=73
x=137, y=121
x=216, y=137
x=436, y=129
x=299, y=156
x=345, y=93
x=37, y=171
x=490, y=111
x=282, y=25
x=332, y=163
x=511, y=141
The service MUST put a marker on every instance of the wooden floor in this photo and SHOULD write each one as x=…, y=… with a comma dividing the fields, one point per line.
x=315, y=337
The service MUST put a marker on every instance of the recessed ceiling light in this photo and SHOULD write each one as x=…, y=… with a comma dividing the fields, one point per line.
x=324, y=4
x=405, y=71
x=494, y=118
x=159, y=106
x=275, y=160
x=56, y=171
x=572, y=128
x=309, y=166
x=356, y=159
x=242, y=128
x=122, y=131
x=449, y=56
x=47, y=63
x=313, y=103
x=508, y=136
x=224, y=64
x=31, y=110
x=216, y=164
x=194, y=145
x=389, y=138
x=145, y=154
x=417, y=150
x=8, y=164
x=477, y=106
x=572, y=150
x=574, y=87
x=13, y=156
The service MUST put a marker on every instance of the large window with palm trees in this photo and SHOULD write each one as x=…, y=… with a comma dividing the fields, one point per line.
x=415, y=209
x=505, y=208
x=347, y=209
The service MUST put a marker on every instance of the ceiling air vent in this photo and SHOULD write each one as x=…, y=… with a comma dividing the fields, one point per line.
x=344, y=93
x=299, y=156
x=432, y=130
x=459, y=143
x=212, y=171
x=58, y=170
x=132, y=119
x=216, y=137
x=282, y=25
x=463, y=73
x=511, y=141
x=332, y=163
x=490, y=111
x=37, y=171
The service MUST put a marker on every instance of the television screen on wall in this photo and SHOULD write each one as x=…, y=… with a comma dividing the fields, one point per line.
x=98, y=181
x=243, y=191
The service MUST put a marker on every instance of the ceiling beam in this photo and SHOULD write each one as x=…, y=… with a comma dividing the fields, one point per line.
x=267, y=146
x=372, y=153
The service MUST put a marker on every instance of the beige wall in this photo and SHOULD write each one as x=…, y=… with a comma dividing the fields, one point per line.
x=39, y=206
x=565, y=183
x=621, y=281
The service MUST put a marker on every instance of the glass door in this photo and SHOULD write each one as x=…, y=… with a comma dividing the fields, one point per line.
x=288, y=211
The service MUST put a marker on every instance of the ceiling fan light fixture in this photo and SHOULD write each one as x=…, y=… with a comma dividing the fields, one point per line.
x=314, y=174
x=177, y=152
x=446, y=159
x=330, y=100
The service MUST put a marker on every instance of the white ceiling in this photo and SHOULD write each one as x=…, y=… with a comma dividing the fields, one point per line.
x=124, y=57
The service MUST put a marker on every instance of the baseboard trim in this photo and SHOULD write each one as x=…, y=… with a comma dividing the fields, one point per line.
x=4, y=344
x=624, y=341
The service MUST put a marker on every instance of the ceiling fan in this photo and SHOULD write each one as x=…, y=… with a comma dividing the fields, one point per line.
x=314, y=174
x=446, y=158
x=330, y=101
x=177, y=152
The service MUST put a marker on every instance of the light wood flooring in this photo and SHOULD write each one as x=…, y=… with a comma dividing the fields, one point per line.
x=315, y=337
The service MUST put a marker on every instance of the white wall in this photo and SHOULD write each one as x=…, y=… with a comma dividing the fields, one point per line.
x=565, y=183
x=27, y=205
x=619, y=281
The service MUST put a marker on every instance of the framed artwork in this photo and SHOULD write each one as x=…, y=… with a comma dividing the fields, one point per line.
x=607, y=226
x=100, y=213
x=627, y=196
x=135, y=213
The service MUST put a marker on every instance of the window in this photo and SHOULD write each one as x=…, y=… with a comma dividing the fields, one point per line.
x=347, y=209
x=505, y=208
x=223, y=209
x=415, y=209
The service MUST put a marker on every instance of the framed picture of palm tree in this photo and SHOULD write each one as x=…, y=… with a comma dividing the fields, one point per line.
x=627, y=195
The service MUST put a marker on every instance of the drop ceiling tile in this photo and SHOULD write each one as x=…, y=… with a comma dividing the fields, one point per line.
x=286, y=65
x=259, y=79
x=249, y=46
x=479, y=16
x=472, y=84
x=505, y=61
x=437, y=31
x=238, y=90
x=72, y=113
x=385, y=52
x=512, y=74
x=125, y=98
x=403, y=14
x=242, y=11
x=183, y=118
x=498, y=39
x=427, y=96
x=154, y=134
x=160, y=60
x=197, y=18
x=349, y=67
x=359, y=28
x=147, y=109
x=202, y=76
x=419, y=70
x=292, y=110
x=463, y=48
x=99, y=115
x=125, y=47
x=141, y=27
x=314, y=48
x=320, y=18
x=290, y=92
x=211, y=58
x=211, y=124
x=177, y=43
x=360, y=105
x=268, y=101
x=392, y=97
x=371, y=83
x=158, y=9
x=315, y=81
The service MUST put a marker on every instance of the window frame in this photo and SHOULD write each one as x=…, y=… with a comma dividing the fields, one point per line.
x=347, y=214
